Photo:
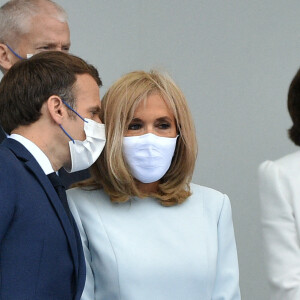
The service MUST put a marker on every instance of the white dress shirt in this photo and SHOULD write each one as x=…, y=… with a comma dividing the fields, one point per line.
x=35, y=151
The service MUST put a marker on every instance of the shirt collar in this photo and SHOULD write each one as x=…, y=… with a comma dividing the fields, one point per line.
x=35, y=151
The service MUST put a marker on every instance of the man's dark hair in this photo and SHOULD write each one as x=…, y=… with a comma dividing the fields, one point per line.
x=29, y=83
x=294, y=108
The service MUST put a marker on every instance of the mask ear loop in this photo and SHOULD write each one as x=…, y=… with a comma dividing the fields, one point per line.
x=16, y=54
x=67, y=134
x=68, y=106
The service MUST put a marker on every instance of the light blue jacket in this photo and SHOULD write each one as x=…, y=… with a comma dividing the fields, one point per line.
x=140, y=250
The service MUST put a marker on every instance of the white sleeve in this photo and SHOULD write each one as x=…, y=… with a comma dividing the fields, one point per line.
x=89, y=288
x=227, y=277
x=280, y=238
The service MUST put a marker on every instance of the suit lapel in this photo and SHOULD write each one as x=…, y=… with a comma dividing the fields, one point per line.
x=58, y=207
x=22, y=153
x=81, y=264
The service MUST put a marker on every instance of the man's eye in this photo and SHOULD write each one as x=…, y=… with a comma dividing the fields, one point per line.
x=44, y=48
x=134, y=126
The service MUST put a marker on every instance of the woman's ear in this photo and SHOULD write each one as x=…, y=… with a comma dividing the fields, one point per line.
x=56, y=109
x=7, y=59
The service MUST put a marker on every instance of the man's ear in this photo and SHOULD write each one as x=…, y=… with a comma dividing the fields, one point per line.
x=56, y=109
x=6, y=58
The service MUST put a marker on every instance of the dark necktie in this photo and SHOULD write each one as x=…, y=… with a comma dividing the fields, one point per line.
x=61, y=192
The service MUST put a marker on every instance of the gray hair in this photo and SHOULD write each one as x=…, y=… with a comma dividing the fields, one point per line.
x=15, y=16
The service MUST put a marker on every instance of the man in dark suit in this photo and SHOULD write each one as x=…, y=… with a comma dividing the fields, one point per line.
x=28, y=27
x=44, y=102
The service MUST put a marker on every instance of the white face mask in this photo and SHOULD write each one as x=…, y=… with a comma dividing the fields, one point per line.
x=84, y=153
x=149, y=156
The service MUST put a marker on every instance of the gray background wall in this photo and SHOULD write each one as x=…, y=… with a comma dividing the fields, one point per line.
x=234, y=61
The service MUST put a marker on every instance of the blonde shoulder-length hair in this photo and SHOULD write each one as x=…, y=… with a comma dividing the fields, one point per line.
x=111, y=171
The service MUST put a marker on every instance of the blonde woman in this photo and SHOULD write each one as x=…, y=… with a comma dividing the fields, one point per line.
x=147, y=232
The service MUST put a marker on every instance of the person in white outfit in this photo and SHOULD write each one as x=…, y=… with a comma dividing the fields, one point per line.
x=148, y=233
x=280, y=211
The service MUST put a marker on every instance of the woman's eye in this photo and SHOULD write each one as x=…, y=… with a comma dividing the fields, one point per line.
x=134, y=126
x=164, y=126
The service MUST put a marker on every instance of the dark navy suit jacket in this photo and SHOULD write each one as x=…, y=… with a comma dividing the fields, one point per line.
x=41, y=255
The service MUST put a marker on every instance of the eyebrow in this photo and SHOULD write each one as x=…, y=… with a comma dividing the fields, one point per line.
x=165, y=118
x=136, y=120
x=96, y=108
x=51, y=44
